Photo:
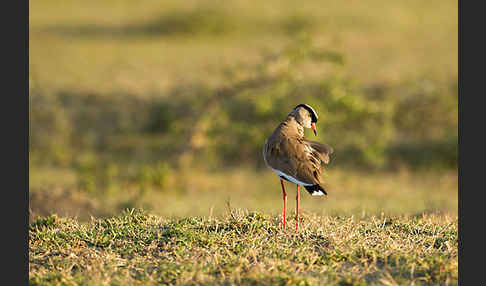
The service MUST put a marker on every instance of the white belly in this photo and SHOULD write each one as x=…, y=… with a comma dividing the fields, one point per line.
x=290, y=178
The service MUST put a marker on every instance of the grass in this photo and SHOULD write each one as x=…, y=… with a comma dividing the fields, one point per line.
x=244, y=248
x=102, y=75
x=203, y=193
x=128, y=79
x=149, y=47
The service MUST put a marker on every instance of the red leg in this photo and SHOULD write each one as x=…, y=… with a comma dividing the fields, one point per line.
x=284, y=201
x=297, y=210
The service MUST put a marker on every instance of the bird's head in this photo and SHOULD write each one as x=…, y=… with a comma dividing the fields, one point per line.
x=305, y=116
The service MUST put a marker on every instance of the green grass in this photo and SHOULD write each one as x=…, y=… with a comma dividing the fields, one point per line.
x=244, y=248
x=202, y=193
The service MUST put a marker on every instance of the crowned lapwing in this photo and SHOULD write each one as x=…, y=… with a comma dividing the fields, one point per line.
x=294, y=158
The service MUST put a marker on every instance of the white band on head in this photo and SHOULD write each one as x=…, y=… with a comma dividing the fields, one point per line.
x=310, y=109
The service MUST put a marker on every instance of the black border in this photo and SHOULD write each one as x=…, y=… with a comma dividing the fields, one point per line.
x=15, y=142
x=471, y=67
x=15, y=139
x=23, y=190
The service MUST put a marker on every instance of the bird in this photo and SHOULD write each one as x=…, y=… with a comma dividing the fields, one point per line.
x=296, y=159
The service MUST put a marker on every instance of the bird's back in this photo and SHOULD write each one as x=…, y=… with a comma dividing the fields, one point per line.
x=287, y=152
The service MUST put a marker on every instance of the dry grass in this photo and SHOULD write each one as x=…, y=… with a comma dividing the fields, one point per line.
x=244, y=248
x=201, y=193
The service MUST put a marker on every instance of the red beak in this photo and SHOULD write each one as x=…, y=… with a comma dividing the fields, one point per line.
x=313, y=125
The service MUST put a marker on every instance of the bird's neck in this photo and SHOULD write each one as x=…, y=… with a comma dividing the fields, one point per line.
x=292, y=127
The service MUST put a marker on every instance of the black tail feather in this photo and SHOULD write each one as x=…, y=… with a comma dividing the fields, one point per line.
x=315, y=189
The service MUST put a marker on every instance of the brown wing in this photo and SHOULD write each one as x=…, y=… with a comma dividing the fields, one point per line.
x=323, y=150
x=296, y=157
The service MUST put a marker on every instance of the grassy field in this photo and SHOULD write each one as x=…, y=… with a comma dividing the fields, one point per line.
x=150, y=46
x=204, y=82
x=164, y=106
x=199, y=193
x=244, y=248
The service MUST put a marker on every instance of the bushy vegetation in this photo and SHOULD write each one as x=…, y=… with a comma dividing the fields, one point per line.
x=414, y=124
x=101, y=136
x=244, y=248
x=133, y=105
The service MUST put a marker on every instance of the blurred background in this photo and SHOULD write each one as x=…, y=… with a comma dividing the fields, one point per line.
x=165, y=105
